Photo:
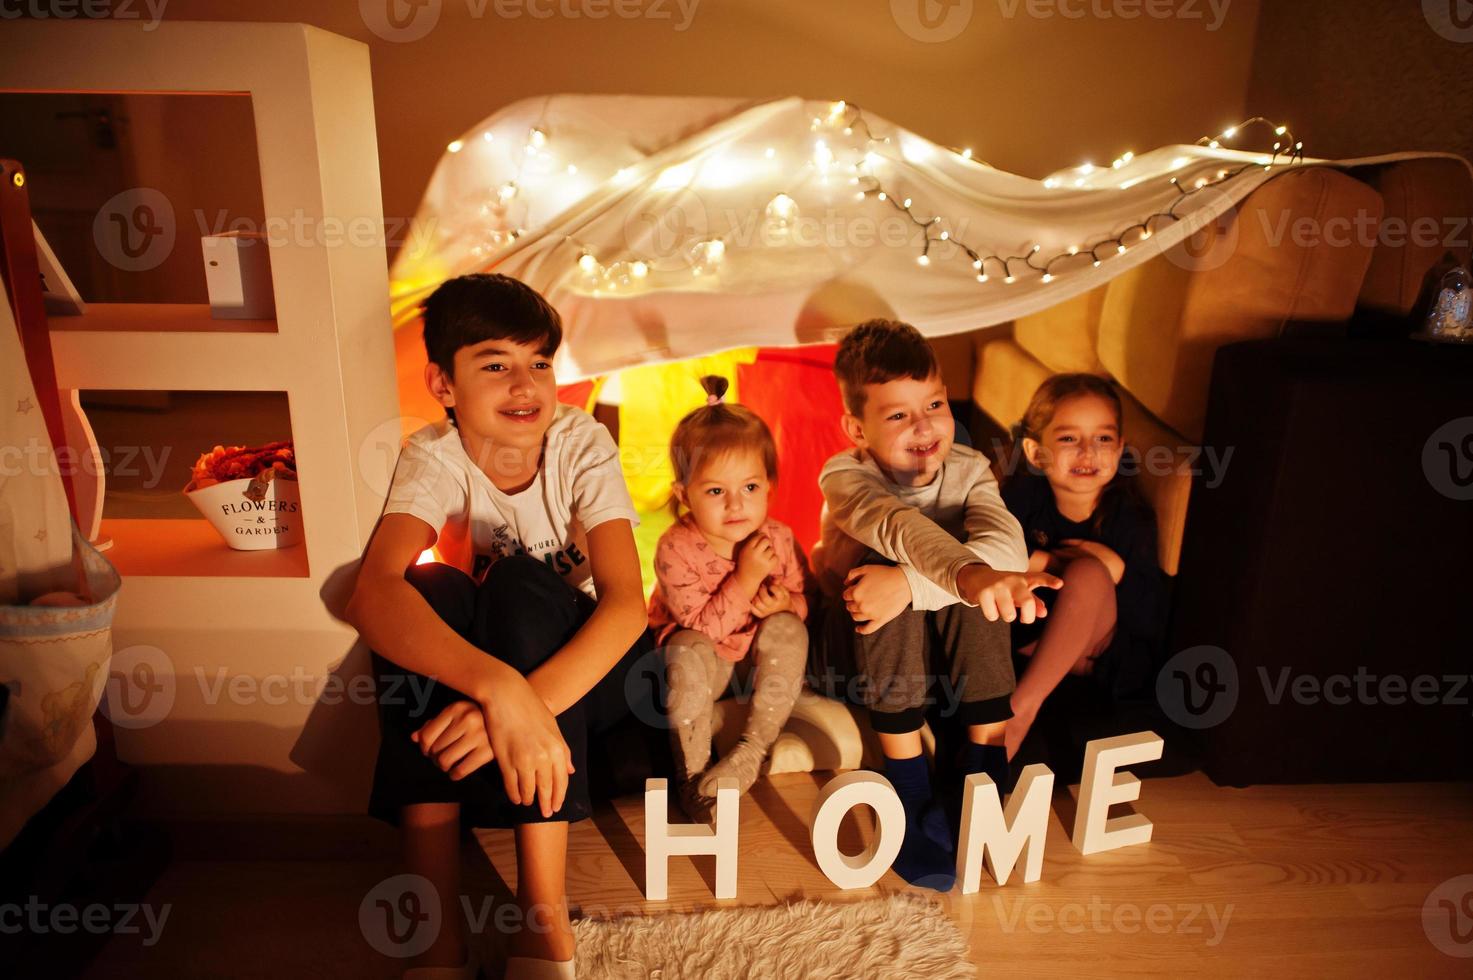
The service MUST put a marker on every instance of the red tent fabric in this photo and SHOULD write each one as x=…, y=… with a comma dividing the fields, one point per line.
x=793, y=389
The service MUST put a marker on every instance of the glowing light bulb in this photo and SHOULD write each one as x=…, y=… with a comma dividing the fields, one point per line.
x=1280, y=131
x=507, y=192
x=945, y=235
x=1073, y=249
x=1050, y=182
x=1129, y=156
x=1086, y=168
x=1120, y=250
x=537, y=139
x=967, y=153
x=881, y=195
x=588, y=263
x=822, y=155
x=1037, y=247
x=769, y=153
x=1230, y=132
x=1145, y=234
x=906, y=203
x=572, y=169
x=640, y=269
x=977, y=264
x=675, y=178
x=782, y=208
x=981, y=277
x=1097, y=263
x=488, y=136
x=1214, y=144
x=455, y=146
x=838, y=108
x=622, y=175
x=923, y=260
x=1048, y=277
x=1008, y=279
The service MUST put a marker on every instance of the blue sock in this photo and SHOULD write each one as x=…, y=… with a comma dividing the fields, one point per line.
x=921, y=861
x=989, y=759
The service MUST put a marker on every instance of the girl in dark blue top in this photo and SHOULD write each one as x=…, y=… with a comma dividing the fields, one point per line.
x=1085, y=522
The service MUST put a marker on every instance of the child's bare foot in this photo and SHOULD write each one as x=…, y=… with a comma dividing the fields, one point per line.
x=1017, y=728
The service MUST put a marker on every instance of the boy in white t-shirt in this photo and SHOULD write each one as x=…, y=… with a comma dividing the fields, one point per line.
x=527, y=505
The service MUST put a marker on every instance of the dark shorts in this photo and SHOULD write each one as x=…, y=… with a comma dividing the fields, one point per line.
x=521, y=613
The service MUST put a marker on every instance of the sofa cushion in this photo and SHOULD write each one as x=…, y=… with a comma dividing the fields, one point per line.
x=1428, y=203
x=820, y=734
x=1007, y=377
x=1065, y=337
x=956, y=354
x=1165, y=479
x=1162, y=322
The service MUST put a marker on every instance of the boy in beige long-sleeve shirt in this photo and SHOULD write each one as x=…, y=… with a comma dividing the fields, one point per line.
x=925, y=568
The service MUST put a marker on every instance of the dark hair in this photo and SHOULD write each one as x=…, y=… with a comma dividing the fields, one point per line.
x=472, y=309
x=1056, y=390
x=713, y=430
x=877, y=351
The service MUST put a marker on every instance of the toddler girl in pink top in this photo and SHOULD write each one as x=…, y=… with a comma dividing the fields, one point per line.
x=729, y=598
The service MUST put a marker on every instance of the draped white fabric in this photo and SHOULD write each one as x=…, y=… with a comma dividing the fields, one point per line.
x=665, y=228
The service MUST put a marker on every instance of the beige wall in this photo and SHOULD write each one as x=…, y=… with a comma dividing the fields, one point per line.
x=1363, y=77
x=1030, y=94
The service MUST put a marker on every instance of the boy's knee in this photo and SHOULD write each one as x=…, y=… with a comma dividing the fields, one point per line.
x=450, y=592
x=520, y=587
x=519, y=572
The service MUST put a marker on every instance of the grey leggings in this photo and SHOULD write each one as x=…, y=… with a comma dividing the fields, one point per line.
x=698, y=678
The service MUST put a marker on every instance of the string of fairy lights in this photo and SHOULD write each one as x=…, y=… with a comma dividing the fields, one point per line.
x=705, y=256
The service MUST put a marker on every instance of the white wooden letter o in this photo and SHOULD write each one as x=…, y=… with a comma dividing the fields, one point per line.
x=839, y=796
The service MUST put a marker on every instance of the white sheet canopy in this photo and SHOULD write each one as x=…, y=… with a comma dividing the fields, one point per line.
x=665, y=228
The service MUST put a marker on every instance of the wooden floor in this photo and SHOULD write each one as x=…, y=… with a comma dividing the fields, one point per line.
x=1298, y=881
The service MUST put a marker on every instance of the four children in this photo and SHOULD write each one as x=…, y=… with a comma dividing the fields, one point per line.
x=526, y=633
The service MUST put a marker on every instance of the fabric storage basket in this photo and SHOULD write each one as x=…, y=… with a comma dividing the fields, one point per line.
x=54, y=663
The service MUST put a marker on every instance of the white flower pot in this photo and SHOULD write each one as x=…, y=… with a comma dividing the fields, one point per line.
x=252, y=515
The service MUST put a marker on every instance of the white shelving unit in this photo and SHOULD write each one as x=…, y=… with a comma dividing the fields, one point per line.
x=208, y=609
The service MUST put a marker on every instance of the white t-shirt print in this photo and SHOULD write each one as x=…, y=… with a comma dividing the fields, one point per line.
x=579, y=487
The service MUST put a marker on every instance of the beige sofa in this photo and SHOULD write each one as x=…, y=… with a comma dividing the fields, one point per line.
x=1155, y=331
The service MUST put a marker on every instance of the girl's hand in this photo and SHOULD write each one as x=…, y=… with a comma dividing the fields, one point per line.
x=756, y=558
x=874, y=595
x=772, y=597
x=456, y=740
x=1077, y=548
x=1006, y=595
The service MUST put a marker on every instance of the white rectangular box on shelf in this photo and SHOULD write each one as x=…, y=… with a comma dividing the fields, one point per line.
x=238, y=276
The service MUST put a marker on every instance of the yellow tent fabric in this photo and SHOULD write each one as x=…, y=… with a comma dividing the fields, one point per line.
x=654, y=399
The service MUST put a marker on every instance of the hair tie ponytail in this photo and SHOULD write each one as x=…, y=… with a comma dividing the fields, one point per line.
x=715, y=387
